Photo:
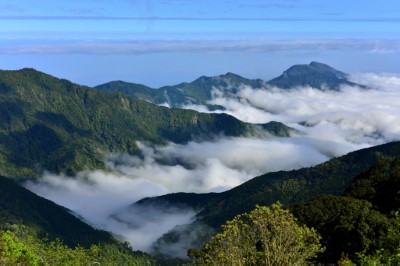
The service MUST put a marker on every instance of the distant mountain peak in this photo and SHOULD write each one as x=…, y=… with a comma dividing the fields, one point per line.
x=315, y=74
x=231, y=75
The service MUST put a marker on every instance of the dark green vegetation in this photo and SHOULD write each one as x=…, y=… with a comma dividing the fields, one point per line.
x=53, y=124
x=362, y=227
x=288, y=187
x=380, y=185
x=350, y=227
x=363, y=224
x=265, y=236
x=315, y=75
x=34, y=231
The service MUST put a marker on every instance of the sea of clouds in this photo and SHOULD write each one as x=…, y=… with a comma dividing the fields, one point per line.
x=330, y=124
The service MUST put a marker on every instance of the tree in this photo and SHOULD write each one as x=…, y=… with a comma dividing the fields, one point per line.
x=349, y=227
x=265, y=236
x=14, y=252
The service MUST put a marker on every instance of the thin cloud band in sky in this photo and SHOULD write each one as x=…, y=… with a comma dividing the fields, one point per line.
x=113, y=46
x=335, y=19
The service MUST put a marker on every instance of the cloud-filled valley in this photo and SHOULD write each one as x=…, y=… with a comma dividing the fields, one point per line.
x=328, y=124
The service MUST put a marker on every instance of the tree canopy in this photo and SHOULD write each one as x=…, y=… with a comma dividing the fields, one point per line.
x=265, y=236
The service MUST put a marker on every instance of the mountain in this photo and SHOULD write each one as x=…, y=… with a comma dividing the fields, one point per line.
x=197, y=92
x=315, y=75
x=200, y=91
x=288, y=187
x=54, y=124
x=52, y=234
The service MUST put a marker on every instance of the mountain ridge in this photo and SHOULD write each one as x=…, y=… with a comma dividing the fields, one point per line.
x=200, y=90
x=56, y=125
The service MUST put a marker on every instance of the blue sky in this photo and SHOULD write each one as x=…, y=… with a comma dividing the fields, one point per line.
x=169, y=41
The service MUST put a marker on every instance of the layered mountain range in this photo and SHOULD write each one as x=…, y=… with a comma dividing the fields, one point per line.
x=200, y=91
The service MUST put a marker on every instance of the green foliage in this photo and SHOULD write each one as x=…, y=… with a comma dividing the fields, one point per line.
x=265, y=236
x=33, y=251
x=348, y=226
x=381, y=257
x=14, y=252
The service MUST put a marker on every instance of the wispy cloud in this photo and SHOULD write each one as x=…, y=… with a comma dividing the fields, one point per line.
x=159, y=18
x=116, y=46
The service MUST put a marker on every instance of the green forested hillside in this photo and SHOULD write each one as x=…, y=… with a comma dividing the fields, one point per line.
x=288, y=187
x=50, y=123
x=35, y=230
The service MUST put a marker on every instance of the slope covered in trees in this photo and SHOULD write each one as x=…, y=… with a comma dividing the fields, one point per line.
x=363, y=224
x=34, y=230
x=50, y=123
x=362, y=227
